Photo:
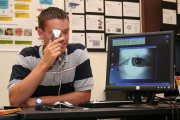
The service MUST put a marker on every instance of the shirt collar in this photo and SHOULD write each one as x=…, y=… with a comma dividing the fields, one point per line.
x=65, y=57
x=41, y=48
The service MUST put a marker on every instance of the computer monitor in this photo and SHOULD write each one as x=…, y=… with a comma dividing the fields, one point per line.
x=141, y=62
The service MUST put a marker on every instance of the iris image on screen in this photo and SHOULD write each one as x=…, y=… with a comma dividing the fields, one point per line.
x=137, y=62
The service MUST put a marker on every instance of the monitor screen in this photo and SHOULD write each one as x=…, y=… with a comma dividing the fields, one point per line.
x=141, y=62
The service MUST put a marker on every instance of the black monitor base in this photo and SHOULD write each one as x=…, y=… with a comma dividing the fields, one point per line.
x=148, y=103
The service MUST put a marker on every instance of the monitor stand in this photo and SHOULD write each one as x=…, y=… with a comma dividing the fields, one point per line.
x=150, y=103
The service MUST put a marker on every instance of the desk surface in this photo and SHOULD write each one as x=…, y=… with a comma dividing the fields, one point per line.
x=9, y=117
x=31, y=113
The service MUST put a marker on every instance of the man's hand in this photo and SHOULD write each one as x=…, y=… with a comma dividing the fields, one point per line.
x=52, y=51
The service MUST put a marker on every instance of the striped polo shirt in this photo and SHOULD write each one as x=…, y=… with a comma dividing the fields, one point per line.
x=72, y=73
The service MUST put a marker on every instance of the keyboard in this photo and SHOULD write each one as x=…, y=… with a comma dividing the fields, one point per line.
x=104, y=104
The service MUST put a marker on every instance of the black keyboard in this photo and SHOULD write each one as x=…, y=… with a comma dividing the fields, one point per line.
x=104, y=104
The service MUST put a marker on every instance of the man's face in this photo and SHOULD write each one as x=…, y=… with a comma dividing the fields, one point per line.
x=57, y=24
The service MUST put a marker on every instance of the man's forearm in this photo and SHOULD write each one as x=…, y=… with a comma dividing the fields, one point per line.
x=24, y=90
x=75, y=98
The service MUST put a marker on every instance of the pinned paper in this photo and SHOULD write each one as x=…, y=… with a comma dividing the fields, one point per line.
x=4, y=4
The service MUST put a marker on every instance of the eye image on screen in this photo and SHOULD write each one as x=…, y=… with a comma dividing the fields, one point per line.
x=137, y=63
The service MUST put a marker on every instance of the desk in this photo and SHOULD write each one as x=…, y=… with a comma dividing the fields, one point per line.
x=98, y=113
x=9, y=117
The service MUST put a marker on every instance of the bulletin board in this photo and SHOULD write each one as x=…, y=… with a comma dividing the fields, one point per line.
x=171, y=15
x=91, y=21
x=18, y=22
x=94, y=20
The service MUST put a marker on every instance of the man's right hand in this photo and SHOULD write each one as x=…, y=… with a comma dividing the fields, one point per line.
x=52, y=51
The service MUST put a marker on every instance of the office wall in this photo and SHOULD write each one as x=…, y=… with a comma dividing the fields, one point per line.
x=6, y=61
x=98, y=64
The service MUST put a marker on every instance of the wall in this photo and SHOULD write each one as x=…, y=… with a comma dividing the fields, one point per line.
x=98, y=64
x=6, y=61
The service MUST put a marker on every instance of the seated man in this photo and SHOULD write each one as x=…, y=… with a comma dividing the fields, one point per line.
x=56, y=68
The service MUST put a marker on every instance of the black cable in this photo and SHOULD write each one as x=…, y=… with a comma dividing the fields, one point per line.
x=60, y=80
x=171, y=103
x=171, y=109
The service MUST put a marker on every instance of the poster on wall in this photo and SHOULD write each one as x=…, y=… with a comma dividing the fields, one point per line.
x=174, y=1
x=95, y=40
x=19, y=22
x=169, y=16
x=78, y=38
x=95, y=22
x=75, y=9
x=131, y=26
x=131, y=9
x=114, y=26
x=78, y=22
x=96, y=6
x=113, y=8
x=178, y=6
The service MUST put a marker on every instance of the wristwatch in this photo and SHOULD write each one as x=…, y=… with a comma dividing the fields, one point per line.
x=38, y=101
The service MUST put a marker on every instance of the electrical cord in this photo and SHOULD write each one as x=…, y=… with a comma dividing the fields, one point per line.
x=171, y=109
x=171, y=106
x=165, y=101
x=60, y=80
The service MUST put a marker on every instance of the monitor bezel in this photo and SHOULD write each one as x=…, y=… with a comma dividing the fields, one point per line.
x=176, y=41
x=142, y=87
